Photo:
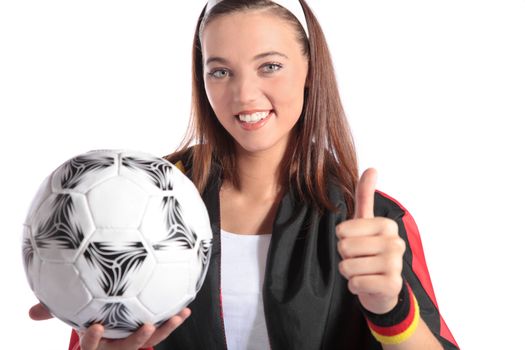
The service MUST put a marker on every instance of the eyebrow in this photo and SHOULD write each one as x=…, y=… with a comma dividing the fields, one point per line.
x=255, y=58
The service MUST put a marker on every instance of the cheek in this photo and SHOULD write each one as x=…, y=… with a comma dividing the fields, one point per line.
x=210, y=92
x=216, y=96
x=288, y=85
x=288, y=94
x=218, y=99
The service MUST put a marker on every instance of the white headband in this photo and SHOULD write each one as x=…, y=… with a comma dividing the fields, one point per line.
x=294, y=6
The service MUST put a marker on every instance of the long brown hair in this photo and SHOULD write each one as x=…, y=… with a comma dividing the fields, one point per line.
x=323, y=149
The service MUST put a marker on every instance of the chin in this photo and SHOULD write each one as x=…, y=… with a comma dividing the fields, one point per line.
x=251, y=147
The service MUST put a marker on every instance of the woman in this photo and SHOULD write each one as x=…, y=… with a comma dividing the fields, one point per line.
x=334, y=264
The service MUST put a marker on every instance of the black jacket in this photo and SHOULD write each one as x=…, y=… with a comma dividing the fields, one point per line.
x=306, y=301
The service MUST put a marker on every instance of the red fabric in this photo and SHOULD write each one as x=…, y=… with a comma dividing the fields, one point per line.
x=74, y=341
x=419, y=264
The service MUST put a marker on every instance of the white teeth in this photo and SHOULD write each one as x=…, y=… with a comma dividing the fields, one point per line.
x=254, y=117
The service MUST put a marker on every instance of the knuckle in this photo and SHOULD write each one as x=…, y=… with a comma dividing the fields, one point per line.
x=353, y=285
x=343, y=268
x=343, y=247
x=396, y=283
x=401, y=245
x=394, y=263
x=339, y=229
x=340, y=247
x=398, y=245
x=391, y=226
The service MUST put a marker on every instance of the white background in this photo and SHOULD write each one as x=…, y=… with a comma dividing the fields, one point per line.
x=435, y=94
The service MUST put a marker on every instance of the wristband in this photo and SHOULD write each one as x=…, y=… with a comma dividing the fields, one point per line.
x=399, y=324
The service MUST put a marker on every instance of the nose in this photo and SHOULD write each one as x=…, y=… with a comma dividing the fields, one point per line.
x=245, y=89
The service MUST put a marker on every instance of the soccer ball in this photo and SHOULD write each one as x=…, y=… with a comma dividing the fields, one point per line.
x=119, y=238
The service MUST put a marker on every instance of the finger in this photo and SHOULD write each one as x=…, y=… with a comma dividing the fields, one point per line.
x=386, y=285
x=39, y=312
x=390, y=264
x=366, y=227
x=389, y=250
x=90, y=339
x=167, y=327
x=364, y=198
x=361, y=266
x=185, y=313
x=137, y=339
x=356, y=247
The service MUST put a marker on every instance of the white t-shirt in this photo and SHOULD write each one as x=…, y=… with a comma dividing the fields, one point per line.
x=243, y=261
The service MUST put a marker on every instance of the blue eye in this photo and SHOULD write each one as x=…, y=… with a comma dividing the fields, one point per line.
x=219, y=73
x=272, y=67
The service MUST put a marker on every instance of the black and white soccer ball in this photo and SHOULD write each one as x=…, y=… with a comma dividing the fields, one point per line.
x=119, y=238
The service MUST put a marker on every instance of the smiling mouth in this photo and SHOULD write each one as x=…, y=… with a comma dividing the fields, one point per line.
x=253, y=118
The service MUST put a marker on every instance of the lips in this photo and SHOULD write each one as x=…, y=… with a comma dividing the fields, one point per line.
x=253, y=117
x=257, y=123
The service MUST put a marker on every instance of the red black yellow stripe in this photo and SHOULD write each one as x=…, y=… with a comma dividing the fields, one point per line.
x=400, y=323
x=398, y=333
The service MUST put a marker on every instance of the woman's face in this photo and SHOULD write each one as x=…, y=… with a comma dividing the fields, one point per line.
x=254, y=75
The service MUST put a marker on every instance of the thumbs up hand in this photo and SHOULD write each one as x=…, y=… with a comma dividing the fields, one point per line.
x=371, y=251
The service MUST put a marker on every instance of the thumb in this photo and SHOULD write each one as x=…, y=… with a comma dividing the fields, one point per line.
x=364, y=197
x=39, y=312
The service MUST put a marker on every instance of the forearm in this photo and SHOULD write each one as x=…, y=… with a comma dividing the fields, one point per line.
x=422, y=338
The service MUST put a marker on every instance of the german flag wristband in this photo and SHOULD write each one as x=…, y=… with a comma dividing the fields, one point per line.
x=397, y=325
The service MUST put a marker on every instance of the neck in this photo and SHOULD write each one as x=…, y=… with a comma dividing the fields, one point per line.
x=260, y=173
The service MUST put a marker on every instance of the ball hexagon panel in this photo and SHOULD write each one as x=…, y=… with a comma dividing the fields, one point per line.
x=204, y=256
x=117, y=203
x=166, y=284
x=155, y=223
x=62, y=282
x=61, y=225
x=165, y=229
x=30, y=258
x=43, y=192
x=154, y=174
x=184, y=301
x=67, y=319
x=195, y=212
x=116, y=263
x=120, y=318
x=83, y=172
